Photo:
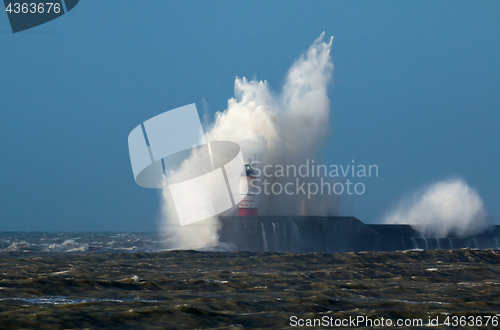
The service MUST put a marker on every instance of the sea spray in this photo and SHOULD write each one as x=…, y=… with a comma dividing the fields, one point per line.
x=442, y=209
x=286, y=128
x=281, y=128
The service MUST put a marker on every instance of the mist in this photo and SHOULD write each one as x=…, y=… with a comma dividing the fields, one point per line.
x=285, y=128
x=446, y=208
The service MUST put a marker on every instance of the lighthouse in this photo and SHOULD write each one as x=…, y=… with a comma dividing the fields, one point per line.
x=248, y=204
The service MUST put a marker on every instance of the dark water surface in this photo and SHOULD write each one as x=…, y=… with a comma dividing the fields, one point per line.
x=227, y=290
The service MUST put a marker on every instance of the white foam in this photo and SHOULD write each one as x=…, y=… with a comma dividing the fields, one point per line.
x=441, y=209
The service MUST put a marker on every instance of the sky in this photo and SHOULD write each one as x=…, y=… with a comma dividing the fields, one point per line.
x=415, y=90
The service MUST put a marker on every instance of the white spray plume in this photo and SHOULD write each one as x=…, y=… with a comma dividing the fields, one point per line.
x=285, y=128
x=293, y=122
x=281, y=128
x=194, y=236
x=442, y=209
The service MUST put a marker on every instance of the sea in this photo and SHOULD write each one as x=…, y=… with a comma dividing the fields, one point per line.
x=114, y=280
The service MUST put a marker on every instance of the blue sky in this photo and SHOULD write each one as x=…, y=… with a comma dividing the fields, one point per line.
x=415, y=90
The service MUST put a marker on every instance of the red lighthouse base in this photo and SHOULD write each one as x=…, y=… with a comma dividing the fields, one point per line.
x=247, y=212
